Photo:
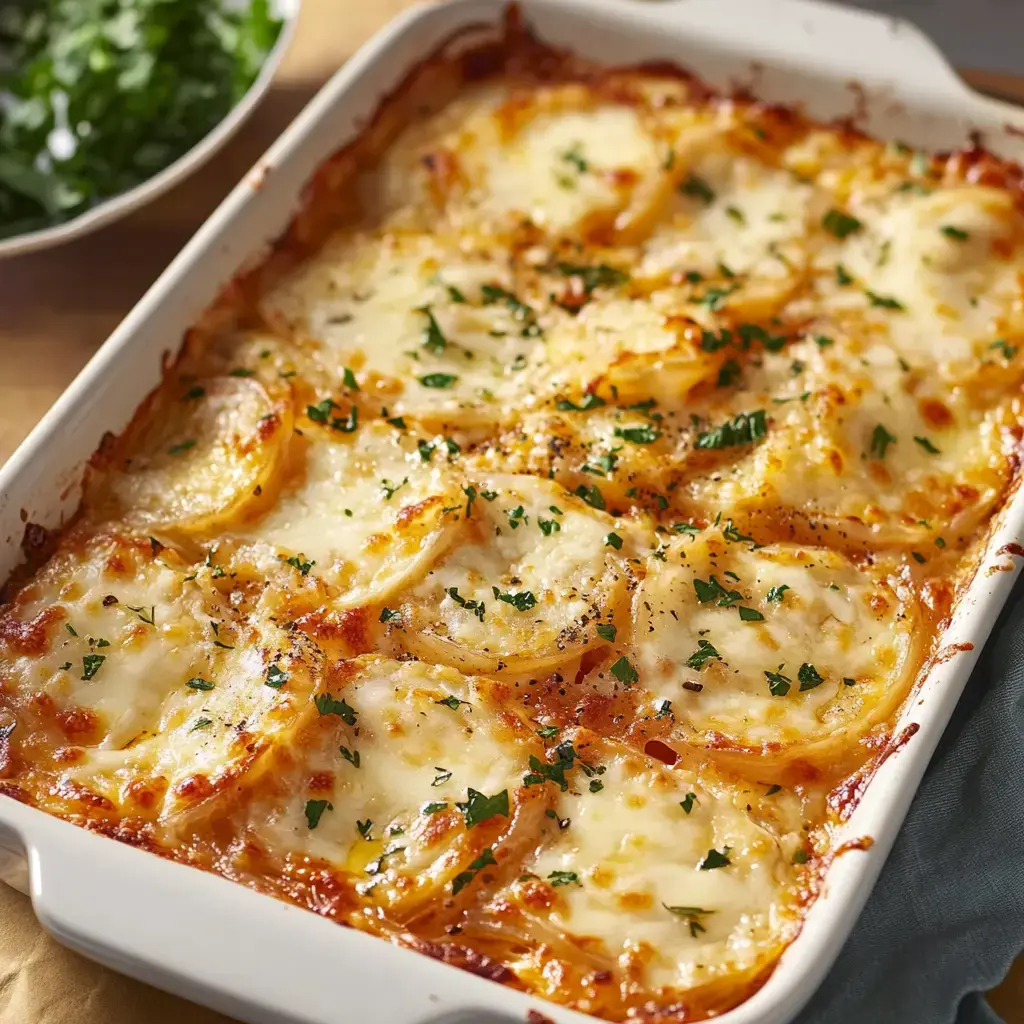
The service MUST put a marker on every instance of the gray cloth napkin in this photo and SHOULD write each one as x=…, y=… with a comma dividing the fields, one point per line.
x=946, y=918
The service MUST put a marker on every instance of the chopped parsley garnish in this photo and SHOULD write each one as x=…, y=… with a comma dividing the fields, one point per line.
x=1008, y=350
x=801, y=857
x=697, y=188
x=557, y=878
x=541, y=772
x=712, y=590
x=391, y=489
x=688, y=801
x=434, y=808
x=574, y=155
x=638, y=435
x=463, y=878
x=452, y=702
x=182, y=447
x=704, y=653
x=470, y=492
x=613, y=540
x=624, y=671
x=397, y=421
x=823, y=340
x=750, y=614
x=691, y=915
x=778, y=684
x=315, y=811
x=442, y=776
x=600, y=276
x=426, y=450
x=714, y=859
x=883, y=301
x=736, y=214
x=742, y=429
x=348, y=379
x=522, y=601
x=194, y=392
x=545, y=732
x=776, y=593
x=276, y=676
x=492, y=294
x=454, y=294
x=91, y=664
x=549, y=526
x=198, y=683
x=299, y=564
x=957, y=234
x=434, y=340
x=242, y=371
x=479, y=808
x=590, y=401
x=327, y=705
x=390, y=615
x=352, y=756
x=713, y=298
x=809, y=677
x=772, y=790
x=476, y=607
x=201, y=723
x=517, y=517
x=842, y=277
x=364, y=828
x=849, y=681
x=729, y=373
x=927, y=445
x=70, y=629
x=438, y=380
x=880, y=441
x=591, y=495
x=606, y=632
x=321, y=413
x=840, y=224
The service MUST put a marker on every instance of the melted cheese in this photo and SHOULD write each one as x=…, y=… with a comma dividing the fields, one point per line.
x=773, y=650
x=645, y=841
x=528, y=586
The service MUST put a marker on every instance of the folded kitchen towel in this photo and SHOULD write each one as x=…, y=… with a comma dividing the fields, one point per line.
x=946, y=918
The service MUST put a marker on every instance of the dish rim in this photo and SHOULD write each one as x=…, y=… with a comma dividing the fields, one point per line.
x=56, y=848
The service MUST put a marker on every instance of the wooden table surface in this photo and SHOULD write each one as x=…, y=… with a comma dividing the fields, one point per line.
x=56, y=307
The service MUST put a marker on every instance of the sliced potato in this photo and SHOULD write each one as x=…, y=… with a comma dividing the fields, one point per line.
x=194, y=460
x=659, y=877
x=365, y=513
x=772, y=654
x=408, y=774
x=525, y=590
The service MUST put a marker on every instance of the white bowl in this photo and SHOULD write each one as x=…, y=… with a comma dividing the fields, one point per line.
x=117, y=206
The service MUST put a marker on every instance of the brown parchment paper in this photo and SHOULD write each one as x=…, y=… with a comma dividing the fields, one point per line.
x=56, y=307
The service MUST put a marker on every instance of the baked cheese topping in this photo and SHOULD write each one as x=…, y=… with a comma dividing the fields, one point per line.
x=520, y=563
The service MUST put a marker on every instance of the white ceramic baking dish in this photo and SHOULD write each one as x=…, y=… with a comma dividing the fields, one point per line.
x=258, y=959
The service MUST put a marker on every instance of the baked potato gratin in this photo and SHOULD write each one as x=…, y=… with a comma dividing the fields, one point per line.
x=527, y=560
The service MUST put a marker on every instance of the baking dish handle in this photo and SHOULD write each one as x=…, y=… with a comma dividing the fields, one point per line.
x=874, y=49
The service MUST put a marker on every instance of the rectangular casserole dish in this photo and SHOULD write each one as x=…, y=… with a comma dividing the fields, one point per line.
x=257, y=959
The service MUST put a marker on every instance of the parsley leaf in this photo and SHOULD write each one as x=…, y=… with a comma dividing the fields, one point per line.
x=327, y=705
x=315, y=810
x=742, y=429
x=479, y=808
x=714, y=859
x=624, y=671
x=880, y=441
x=840, y=224
x=704, y=653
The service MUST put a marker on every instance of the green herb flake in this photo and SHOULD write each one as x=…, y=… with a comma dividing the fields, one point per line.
x=1008, y=350
x=328, y=705
x=606, y=632
x=91, y=664
x=198, y=683
x=705, y=652
x=777, y=593
x=778, y=684
x=479, y=808
x=589, y=401
x=613, y=540
x=299, y=564
x=809, y=677
x=463, y=878
x=956, y=234
x=927, y=445
x=557, y=878
x=549, y=526
x=591, y=495
x=745, y=428
x=697, y=188
x=352, y=756
x=182, y=446
x=691, y=916
x=750, y=614
x=688, y=801
x=438, y=380
x=276, y=677
x=714, y=859
x=390, y=615
x=840, y=224
x=624, y=671
x=884, y=301
x=880, y=441
x=315, y=811
x=638, y=435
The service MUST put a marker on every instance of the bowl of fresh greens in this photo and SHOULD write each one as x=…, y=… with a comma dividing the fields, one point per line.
x=104, y=104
